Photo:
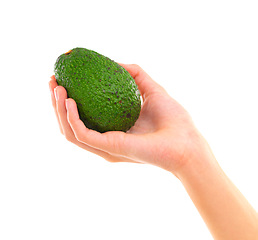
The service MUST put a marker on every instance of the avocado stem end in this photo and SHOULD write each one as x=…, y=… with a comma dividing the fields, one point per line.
x=67, y=53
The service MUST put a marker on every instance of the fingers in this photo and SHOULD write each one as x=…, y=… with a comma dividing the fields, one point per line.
x=114, y=142
x=114, y=146
x=58, y=98
x=81, y=133
x=61, y=96
x=145, y=83
x=52, y=86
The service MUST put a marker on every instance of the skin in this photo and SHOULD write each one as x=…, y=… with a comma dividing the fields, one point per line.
x=165, y=136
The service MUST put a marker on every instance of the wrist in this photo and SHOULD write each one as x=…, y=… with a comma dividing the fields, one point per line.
x=198, y=159
x=226, y=212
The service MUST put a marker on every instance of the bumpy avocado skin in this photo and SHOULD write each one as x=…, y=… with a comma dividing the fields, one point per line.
x=107, y=96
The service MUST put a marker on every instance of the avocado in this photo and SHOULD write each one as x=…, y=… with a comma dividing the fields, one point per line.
x=107, y=96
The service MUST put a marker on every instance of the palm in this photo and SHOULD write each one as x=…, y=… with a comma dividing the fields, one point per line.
x=161, y=118
x=145, y=122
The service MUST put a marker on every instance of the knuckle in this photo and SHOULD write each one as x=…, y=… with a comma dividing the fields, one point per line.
x=116, y=142
x=54, y=105
x=137, y=66
x=79, y=137
x=69, y=137
x=61, y=130
x=110, y=159
x=162, y=89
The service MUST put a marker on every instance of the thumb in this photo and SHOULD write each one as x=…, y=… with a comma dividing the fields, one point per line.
x=145, y=83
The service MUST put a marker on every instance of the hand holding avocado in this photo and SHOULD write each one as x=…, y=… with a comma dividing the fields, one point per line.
x=160, y=136
x=165, y=136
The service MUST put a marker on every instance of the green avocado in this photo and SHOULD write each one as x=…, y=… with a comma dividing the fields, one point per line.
x=107, y=96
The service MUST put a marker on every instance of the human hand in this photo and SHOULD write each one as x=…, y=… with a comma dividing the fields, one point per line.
x=164, y=135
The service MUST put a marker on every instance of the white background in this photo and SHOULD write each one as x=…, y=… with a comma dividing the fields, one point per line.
x=205, y=53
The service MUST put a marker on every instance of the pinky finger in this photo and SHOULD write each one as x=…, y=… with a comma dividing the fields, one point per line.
x=52, y=86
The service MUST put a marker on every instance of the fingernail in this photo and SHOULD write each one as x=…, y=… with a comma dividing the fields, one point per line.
x=56, y=94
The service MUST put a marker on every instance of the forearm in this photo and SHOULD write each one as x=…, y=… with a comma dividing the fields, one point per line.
x=226, y=212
